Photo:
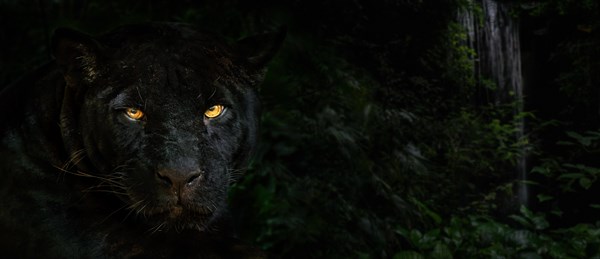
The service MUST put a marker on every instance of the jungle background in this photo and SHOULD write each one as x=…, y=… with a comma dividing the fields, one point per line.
x=379, y=137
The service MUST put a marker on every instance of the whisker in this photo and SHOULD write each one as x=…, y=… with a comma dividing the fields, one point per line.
x=84, y=174
x=156, y=228
x=105, y=191
x=133, y=208
x=75, y=158
x=109, y=215
x=235, y=174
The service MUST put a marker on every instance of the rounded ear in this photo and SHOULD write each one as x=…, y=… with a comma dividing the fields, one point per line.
x=76, y=54
x=259, y=49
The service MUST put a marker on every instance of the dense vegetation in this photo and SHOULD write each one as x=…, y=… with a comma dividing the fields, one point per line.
x=377, y=138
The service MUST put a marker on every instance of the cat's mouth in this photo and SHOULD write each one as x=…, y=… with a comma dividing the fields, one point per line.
x=178, y=218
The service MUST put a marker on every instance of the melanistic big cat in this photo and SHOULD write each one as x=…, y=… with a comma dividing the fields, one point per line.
x=126, y=144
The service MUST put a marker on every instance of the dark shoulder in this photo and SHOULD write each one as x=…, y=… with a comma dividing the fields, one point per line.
x=29, y=111
x=29, y=88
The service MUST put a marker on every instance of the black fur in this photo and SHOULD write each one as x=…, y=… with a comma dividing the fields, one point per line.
x=81, y=179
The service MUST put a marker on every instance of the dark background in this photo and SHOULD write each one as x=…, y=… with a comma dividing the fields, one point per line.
x=378, y=140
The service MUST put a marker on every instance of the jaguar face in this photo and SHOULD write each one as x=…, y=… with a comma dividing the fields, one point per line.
x=165, y=116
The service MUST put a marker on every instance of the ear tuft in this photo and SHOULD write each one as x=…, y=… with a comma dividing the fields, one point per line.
x=259, y=49
x=76, y=54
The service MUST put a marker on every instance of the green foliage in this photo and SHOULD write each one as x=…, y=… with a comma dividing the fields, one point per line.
x=527, y=235
x=564, y=173
x=562, y=7
x=337, y=168
x=310, y=157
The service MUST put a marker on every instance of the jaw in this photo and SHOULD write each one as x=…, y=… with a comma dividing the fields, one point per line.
x=177, y=217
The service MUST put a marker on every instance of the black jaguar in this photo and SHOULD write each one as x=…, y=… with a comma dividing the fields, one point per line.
x=125, y=145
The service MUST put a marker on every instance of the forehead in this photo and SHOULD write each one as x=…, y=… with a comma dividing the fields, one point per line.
x=164, y=45
x=187, y=63
x=168, y=83
x=184, y=60
x=169, y=63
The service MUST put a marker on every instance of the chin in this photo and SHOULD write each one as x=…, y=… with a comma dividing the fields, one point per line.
x=177, y=218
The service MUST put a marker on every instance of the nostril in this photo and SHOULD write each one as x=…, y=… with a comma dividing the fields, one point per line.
x=175, y=178
x=195, y=175
x=164, y=178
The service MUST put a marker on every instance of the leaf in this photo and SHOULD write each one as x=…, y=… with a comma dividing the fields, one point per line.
x=543, y=197
x=423, y=208
x=408, y=255
x=581, y=139
x=541, y=170
x=595, y=206
x=540, y=223
x=402, y=232
x=585, y=182
x=595, y=133
x=526, y=212
x=415, y=237
x=574, y=135
x=565, y=143
x=441, y=251
x=558, y=213
x=571, y=176
x=580, y=228
x=521, y=220
x=430, y=237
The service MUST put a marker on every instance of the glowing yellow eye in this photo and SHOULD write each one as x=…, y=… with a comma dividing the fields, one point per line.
x=134, y=113
x=214, y=111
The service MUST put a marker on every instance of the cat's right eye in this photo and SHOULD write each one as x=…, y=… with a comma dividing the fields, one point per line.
x=134, y=113
x=214, y=111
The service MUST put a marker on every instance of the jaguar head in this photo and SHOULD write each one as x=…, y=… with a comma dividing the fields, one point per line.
x=163, y=115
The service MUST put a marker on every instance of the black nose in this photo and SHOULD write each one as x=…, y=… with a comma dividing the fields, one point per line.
x=178, y=178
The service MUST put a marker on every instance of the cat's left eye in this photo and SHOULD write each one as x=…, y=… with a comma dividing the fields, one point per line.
x=134, y=113
x=214, y=111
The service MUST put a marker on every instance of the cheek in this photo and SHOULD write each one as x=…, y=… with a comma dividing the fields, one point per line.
x=125, y=135
x=108, y=137
x=225, y=138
